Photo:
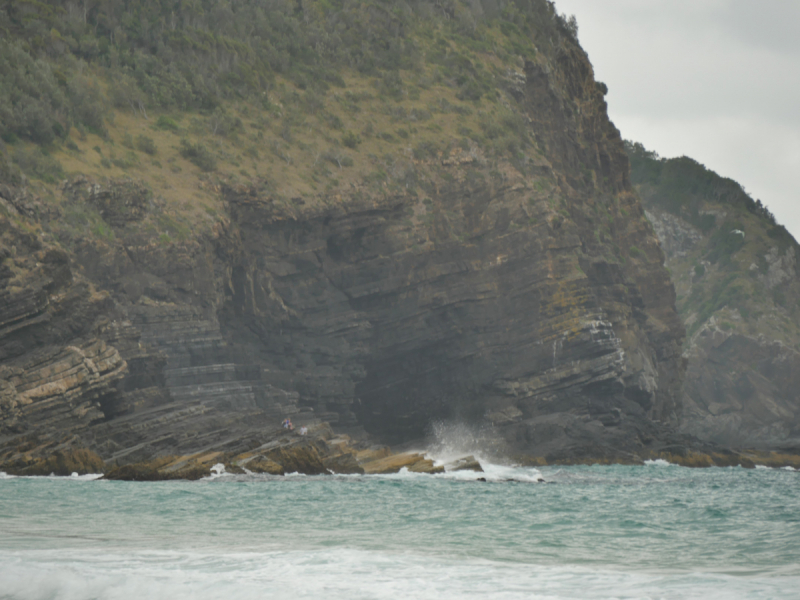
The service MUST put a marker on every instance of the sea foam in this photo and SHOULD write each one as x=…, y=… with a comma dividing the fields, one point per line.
x=343, y=574
x=73, y=477
x=659, y=462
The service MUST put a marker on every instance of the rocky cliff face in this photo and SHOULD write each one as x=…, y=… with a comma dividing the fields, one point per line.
x=742, y=377
x=55, y=371
x=500, y=301
x=528, y=300
x=736, y=276
x=742, y=390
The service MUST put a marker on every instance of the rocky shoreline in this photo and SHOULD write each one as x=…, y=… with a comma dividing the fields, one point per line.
x=323, y=452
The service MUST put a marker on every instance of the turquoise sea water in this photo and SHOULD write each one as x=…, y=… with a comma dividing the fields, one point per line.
x=656, y=531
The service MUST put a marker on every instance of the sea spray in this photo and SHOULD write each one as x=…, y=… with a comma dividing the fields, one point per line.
x=450, y=440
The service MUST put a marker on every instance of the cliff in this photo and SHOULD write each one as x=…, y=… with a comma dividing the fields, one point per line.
x=736, y=275
x=487, y=263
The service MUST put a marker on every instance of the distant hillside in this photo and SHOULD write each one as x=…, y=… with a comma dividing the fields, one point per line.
x=736, y=276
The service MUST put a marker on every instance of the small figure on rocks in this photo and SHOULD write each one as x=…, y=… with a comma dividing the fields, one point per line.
x=303, y=430
x=287, y=424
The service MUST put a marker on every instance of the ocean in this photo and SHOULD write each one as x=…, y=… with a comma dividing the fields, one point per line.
x=654, y=531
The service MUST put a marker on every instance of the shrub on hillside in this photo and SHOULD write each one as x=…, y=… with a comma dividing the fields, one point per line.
x=223, y=123
x=32, y=104
x=39, y=102
x=682, y=185
x=146, y=145
x=38, y=163
x=198, y=155
x=350, y=139
x=164, y=123
x=725, y=242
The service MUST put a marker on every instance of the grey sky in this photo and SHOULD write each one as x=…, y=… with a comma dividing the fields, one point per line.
x=716, y=80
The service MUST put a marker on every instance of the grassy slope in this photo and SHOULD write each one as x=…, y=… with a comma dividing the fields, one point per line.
x=311, y=128
x=724, y=275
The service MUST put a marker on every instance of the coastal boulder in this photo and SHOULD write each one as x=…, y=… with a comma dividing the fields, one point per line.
x=302, y=458
x=467, y=463
x=343, y=464
x=414, y=462
x=159, y=470
x=61, y=462
x=262, y=464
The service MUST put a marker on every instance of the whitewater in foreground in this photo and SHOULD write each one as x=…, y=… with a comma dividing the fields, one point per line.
x=657, y=531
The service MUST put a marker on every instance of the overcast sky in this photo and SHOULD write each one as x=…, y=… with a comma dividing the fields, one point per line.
x=716, y=80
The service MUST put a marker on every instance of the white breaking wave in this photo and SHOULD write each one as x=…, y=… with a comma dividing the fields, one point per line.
x=216, y=472
x=491, y=472
x=73, y=477
x=345, y=573
x=449, y=442
x=659, y=462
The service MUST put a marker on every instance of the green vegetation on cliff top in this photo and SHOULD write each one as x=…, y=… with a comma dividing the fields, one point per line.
x=741, y=269
x=303, y=98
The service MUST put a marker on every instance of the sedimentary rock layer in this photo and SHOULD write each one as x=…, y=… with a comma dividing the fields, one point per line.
x=529, y=300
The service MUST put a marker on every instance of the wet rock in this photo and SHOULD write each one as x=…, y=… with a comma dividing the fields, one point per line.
x=467, y=463
x=157, y=471
x=261, y=464
x=61, y=462
x=414, y=462
x=343, y=464
x=372, y=453
x=426, y=466
x=303, y=458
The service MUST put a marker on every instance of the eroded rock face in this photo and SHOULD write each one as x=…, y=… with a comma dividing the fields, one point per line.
x=677, y=237
x=118, y=201
x=781, y=267
x=741, y=390
x=370, y=319
x=480, y=296
x=529, y=300
x=55, y=370
x=741, y=386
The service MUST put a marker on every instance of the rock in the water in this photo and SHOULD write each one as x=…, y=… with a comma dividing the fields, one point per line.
x=61, y=462
x=414, y=462
x=299, y=458
x=467, y=463
x=162, y=469
x=343, y=464
x=261, y=464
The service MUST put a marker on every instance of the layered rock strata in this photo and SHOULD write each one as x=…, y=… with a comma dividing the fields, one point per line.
x=537, y=305
x=279, y=452
x=56, y=371
x=528, y=300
